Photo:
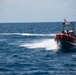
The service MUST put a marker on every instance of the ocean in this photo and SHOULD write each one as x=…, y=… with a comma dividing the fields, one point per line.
x=30, y=49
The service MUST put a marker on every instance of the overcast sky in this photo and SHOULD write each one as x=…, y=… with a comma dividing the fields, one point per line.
x=37, y=10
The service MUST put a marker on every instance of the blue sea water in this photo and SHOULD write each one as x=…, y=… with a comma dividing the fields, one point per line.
x=30, y=49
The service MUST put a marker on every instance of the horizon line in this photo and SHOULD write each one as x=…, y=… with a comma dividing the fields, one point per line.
x=36, y=22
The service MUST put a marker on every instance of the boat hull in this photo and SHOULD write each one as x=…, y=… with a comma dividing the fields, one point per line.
x=65, y=45
x=65, y=42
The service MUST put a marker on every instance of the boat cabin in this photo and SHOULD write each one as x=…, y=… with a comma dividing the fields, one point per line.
x=68, y=28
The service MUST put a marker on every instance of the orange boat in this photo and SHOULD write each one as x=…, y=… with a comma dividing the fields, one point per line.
x=66, y=40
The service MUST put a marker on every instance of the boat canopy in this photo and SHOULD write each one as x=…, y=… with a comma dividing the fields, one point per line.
x=69, y=24
x=70, y=28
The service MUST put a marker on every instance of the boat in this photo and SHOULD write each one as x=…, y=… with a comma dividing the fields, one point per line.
x=66, y=39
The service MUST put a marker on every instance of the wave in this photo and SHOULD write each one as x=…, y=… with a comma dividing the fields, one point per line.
x=2, y=40
x=47, y=44
x=27, y=34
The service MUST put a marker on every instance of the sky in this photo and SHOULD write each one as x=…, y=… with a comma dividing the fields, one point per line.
x=37, y=10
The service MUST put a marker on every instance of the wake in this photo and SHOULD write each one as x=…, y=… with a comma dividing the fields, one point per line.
x=27, y=34
x=47, y=44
